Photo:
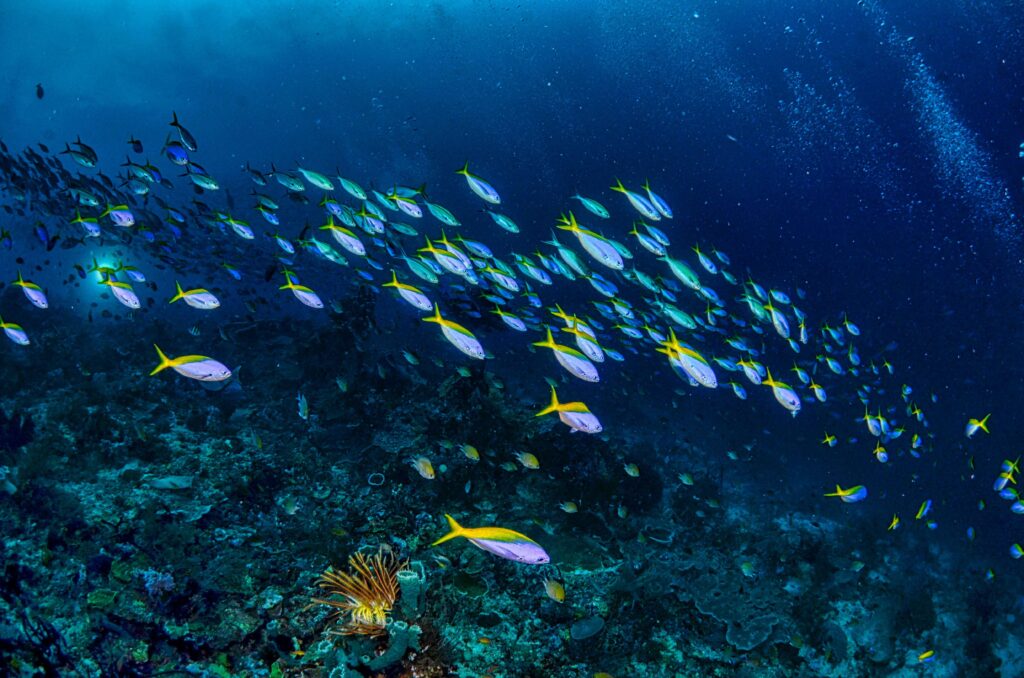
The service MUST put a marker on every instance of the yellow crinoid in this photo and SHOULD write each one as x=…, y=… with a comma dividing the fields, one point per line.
x=365, y=594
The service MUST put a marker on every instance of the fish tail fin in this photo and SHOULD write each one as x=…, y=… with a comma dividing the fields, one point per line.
x=837, y=493
x=165, y=362
x=465, y=169
x=436, y=318
x=618, y=186
x=454, y=530
x=983, y=422
x=174, y=119
x=555, y=406
x=394, y=280
x=179, y=295
x=548, y=342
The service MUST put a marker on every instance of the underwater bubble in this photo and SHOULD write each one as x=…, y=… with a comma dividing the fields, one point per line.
x=375, y=479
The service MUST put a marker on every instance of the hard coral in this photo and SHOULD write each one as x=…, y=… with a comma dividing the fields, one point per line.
x=366, y=594
x=15, y=431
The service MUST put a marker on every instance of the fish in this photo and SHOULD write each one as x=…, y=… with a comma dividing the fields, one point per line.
x=198, y=367
x=639, y=202
x=569, y=507
x=476, y=184
x=304, y=294
x=575, y=415
x=303, y=406
x=500, y=541
x=457, y=335
x=198, y=298
x=33, y=292
x=632, y=470
x=186, y=137
x=850, y=495
x=123, y=292
x=528, y=460
x=423, y=466
x=593, y=206
x=14, y=332
x=975, y=425
x=470, y=452
x=572, y=360
x=554, y=590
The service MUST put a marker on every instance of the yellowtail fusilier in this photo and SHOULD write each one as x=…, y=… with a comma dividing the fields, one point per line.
x=574, y=415
x=198, y=367
x=459, y=336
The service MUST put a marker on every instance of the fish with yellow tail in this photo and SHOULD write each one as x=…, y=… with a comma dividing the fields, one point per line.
x=974, y=425
x=411, y=295
x=783, y=393
x=14, y=332
x=850, y=495
x=500, y=541
x=198, y=367
x=301, y=292
x=688, y=363
x=459, y=336
x=572, y=360
x=199, y=298
x=483, y=189
x=33, y=292
x=574, y=415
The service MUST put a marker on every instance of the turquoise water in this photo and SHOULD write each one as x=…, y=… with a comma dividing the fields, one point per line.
x=772, y=430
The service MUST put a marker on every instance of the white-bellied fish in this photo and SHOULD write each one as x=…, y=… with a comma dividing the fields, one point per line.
x=198, y=367
x=479, y=186
x=500, y=541
x=575, y=415
x=199, y=298
x=457, y=335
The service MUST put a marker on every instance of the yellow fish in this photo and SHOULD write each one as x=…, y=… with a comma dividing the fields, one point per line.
x=555, y=590
x=500, y=541
x=528, y=460
x=423, y=467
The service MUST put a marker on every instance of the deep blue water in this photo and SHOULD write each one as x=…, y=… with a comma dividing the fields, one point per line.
x=865, y=152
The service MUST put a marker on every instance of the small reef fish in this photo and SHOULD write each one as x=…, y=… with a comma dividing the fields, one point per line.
x=850, y=495
x=423, y=466
x=632, y=470
x=554, y=590
x=500, y=541
x=528, y=460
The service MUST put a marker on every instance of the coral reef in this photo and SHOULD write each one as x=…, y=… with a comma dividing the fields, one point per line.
x=170, y=531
